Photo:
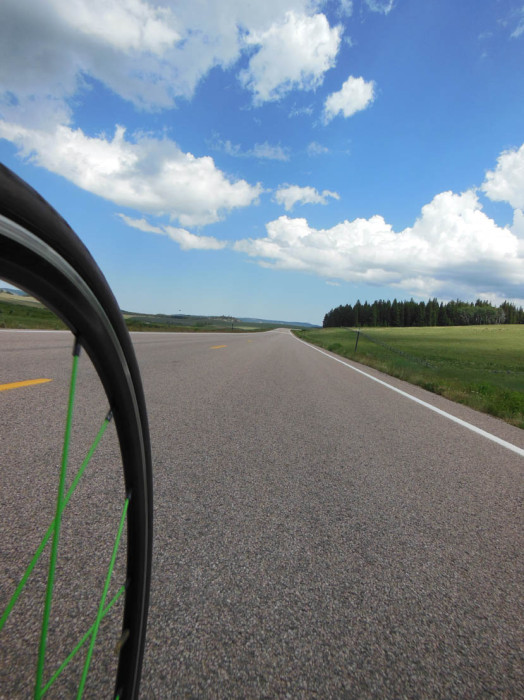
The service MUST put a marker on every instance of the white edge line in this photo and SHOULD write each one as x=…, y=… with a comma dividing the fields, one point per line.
x=463, y=423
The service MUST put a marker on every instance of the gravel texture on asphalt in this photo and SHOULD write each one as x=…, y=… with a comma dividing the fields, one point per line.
x=316, y=535
x=319, y=536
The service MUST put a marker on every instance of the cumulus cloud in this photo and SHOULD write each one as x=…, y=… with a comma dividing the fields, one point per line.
x=154, y=53
x=128, y=25
x=147, y=174
x=150, y=54
x=518, y=223
x=289, y=195
x=47, y=48
x=186, y=240
x=292, y=53
x=452, y=249
x=354, y=96
x=506, y=182
x=453, y=244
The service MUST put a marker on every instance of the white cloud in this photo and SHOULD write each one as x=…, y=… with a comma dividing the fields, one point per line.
x=506, y=182
x=354, y=96
x=47, y=48
x=186, y=240
x=126, y=25
x=190, y=241
x=141, y=224
x=154, y=53
x=518, y=223
x=147, y=174
x=289, y=195
x=452, y=245
x=294, y=53
x=383, y=6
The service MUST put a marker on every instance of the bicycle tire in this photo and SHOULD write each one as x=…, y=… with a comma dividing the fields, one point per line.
x=40, y=253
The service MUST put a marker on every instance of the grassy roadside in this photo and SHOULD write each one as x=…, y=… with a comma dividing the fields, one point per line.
x=479, y=366
x=137, y=324
x=18, y=315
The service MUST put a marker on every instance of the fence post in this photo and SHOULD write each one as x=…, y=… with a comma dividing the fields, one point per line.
x=358, y=336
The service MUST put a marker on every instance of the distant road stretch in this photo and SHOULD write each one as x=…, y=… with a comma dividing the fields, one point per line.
x=318, y=534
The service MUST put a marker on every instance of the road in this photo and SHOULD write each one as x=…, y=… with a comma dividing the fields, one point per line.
x=318, y=534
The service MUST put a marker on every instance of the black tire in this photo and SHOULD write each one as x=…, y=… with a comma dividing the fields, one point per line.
x=41, y=254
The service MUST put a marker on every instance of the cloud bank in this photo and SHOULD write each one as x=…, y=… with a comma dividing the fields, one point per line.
x=155, y=54
x=152, y=55
x=453, y=249
x=453, y=245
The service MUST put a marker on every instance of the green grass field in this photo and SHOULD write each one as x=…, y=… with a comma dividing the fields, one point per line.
x=141, y=323
x=30, y=315
x=480, y=366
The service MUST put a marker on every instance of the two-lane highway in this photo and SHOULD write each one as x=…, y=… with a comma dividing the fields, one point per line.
x=316, y=533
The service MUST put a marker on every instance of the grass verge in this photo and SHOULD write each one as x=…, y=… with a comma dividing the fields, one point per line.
x=479, y=366
x=17, y=315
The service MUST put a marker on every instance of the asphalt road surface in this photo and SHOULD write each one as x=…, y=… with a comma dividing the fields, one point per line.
x=316, y=533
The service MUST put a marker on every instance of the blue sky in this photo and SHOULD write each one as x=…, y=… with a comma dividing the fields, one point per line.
x=275, y=159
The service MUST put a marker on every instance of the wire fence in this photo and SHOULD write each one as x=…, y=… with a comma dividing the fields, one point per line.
x=407, y=355
x=424, y=362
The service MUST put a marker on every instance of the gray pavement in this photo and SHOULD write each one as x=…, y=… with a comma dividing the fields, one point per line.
x=318, y=535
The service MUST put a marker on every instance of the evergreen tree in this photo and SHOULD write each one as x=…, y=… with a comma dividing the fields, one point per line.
x=408, y=313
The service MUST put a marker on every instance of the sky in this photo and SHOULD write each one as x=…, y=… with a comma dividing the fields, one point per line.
x=275, y=159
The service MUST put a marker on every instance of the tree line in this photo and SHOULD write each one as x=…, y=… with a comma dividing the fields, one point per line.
x=431, y=313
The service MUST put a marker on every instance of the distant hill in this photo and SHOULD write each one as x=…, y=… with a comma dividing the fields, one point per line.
x=300, y=324
x=16, y=292
x=12, y=301
x=140, y=321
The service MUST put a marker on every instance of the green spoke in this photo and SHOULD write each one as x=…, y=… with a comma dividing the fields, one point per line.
x=58, y=518
x=102, y=600
x=51, y=528
x=81, y=643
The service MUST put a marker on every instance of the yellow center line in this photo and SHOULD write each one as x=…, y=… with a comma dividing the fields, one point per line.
x=27, y=382
x=217, y=347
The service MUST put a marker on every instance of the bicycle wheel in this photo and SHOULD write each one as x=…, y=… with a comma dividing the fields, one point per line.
x=40, y=254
